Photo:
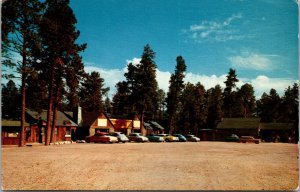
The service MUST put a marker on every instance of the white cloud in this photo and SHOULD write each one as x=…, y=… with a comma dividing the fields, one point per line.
x=163, y=78
x=263, y=84
x=253, y=61
x=207, y=81
x=215, y=30
x=134, y=61
x=260, y=84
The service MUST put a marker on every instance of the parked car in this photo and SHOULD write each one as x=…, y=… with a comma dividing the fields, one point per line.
x=192, y=138
x=101, y=137
x=121, y=137
x=137, y=137
x=168, y=137
x=249, y=139
x=180, y=137
x=155, y=138
x=232, y=138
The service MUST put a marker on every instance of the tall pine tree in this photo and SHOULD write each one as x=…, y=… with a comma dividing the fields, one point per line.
x=229, y=93
x=214, y=105
x=175, y=91
x=144, y=89
x=92, y=92
x=19, y=33
x=59, y=35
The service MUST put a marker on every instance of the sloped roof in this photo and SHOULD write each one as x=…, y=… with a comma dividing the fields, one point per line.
x=148, y=126
x=156, y=125
x=276, y=126
x=61, y=120
x=239, y=123
x=12, y=123
x=89, y=118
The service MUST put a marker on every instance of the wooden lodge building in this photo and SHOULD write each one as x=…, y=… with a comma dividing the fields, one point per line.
x=237, y=126
x=91, y=122
x=65, y=128
x=35, y=128
x=268, y=132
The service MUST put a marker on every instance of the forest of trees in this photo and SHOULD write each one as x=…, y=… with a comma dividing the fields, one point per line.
x=53, y=78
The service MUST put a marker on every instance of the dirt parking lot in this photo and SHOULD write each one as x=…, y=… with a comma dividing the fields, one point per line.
x=151, y=166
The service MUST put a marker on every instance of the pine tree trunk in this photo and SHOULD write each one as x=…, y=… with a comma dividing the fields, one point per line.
x=50, y=105
x=23, y=92
x=53, y=124
x=171, y=124
x=54, y=114
x=142, y=123
x=23, y=110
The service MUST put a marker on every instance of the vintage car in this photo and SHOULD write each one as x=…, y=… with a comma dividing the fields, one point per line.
x=249, y=139
x=232, y=138
x=101, y=137
x=168, y=137
x=121, y=137
x=137, y=137
x=180, y=137
x=155, y=138
x=192, y=138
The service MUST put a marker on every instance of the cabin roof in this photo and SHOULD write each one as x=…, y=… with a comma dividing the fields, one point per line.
x=239, y=123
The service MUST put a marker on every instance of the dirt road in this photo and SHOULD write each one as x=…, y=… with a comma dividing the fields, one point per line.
x=150, y=166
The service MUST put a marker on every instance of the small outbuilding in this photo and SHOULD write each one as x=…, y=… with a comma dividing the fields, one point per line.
x=11, y=130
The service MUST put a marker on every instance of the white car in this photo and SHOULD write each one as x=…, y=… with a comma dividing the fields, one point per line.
x=137, y=137
x=192, y=138
x=121, y=137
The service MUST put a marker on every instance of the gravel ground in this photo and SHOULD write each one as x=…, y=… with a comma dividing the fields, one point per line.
x=151, y=166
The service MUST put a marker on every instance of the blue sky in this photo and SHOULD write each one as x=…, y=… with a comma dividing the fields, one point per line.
x=258, y=38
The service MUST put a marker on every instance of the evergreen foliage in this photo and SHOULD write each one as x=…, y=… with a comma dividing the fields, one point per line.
x=175, y=92
x=92, y=92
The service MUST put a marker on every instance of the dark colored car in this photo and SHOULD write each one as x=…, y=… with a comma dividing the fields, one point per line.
x=180, y=137
x=155, y=138
x=192, y=138
x=232, y=138
x=101, y=137
x=249, y=139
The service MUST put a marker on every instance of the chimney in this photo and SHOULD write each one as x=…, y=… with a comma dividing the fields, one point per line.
x=77, y=115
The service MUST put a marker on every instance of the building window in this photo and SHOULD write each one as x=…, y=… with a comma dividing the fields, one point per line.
x=102, y=122
x=13, y=134
x=43, y=131
x=68, y=132
x=55, y=131
x=136, y=124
